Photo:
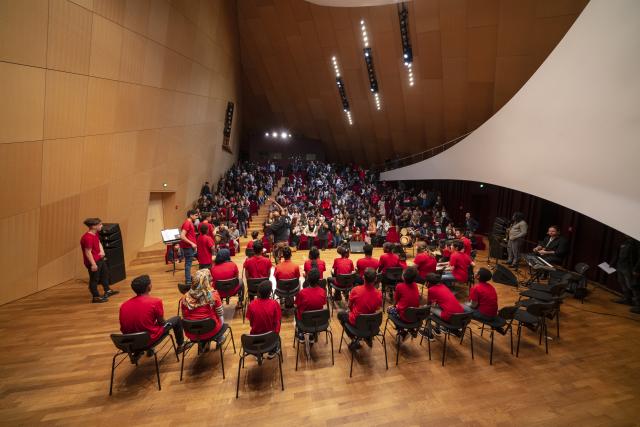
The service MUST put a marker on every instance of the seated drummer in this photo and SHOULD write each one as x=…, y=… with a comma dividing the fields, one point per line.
x=483, y=299
x=341, y=266
x=554, y=247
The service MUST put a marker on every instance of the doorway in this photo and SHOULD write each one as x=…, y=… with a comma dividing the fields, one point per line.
x=155, y=220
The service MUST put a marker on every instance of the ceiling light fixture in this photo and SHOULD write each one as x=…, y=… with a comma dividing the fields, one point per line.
x=371, y=72
x=341, y=90
x=407, y=52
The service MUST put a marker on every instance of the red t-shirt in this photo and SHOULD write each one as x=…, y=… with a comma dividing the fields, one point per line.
x=211, y=229
x=141, y=313
x=467, y=245
x=486, y=297
x=205, y=243
x=257, y=267
x=203, y=312
x=90, y=241
x=388, y=260
x=441, y=295
x=311, y=298
x=187, y=225
x=225, y=271
x=286, y=270
x=342, y=266
x=405, y=296
x=250, y=244
x=425, y=264
x=364, y=299
x=460, y=263
x=264, y=316
x=367, y=262
x=321, y=266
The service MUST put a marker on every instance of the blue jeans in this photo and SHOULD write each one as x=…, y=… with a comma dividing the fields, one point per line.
x=188, y=260
x=448, y=279
x=336, y=240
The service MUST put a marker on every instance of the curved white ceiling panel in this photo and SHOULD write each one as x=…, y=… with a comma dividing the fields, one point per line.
x=572, y=133
x=354, y=3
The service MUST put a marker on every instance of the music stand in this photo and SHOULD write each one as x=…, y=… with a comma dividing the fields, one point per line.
x=171, y=236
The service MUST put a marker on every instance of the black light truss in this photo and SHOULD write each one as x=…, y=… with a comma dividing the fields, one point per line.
x=407, y=52
x=343, y=94
x=371, y=71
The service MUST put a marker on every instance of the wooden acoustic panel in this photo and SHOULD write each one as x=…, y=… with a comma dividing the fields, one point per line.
x=23, y=32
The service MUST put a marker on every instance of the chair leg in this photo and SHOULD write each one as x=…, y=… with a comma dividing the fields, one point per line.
x=444, y=349
x=471, y=340
x=332, y=359
x=297, y=351
x=511, y=338
x=240, y=364
x=221, y=359
x=341, y=339
x=280, y=367
x=384, y=344
x=294, y=337
x=233, y=342
x=546, y=341
x=558, y=324
x=157, y=369
x=519, y=335
x=491, y=351
x=184, y=356
x=175, y=350
x=113, y=370
x=429, y=346
x=351, y=368
x=482, y=330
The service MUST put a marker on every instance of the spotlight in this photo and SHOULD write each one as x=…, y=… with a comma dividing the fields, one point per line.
x=289, y=135
x=266, y=134
x=274, y=134
x=283, y=135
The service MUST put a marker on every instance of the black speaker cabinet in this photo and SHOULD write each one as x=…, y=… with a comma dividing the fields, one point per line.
x=356, y=247
x=505, y=276
x=117, y=272
x=109, y=229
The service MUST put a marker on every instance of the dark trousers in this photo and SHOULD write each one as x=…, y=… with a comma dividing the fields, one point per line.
x=100, y=276
x=323, y=243
x=175, y=324
x=189, y=254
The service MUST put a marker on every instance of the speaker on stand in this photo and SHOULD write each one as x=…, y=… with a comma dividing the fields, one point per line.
x=111, y=239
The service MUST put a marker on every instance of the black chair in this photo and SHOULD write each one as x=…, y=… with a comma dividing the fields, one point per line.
x=227, y=286
x=252, y=292
x=313, y=322
x=258, y=345
x=203, y=327
x=554, y=294
x=367, y=327
x=286, y=289
x=183, y=289
x=534, y=318
x=416, y=317
x=249, y=252
x=134, y=346
x=578, y=281
x=341, y=283
x=391, y=277
x=457, y=324
x=504, y=317
x=470, y=276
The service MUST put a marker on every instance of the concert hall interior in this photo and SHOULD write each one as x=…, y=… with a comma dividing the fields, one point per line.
x=261, y=212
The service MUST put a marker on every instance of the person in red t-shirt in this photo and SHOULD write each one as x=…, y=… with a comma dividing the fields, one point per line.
x=225, y=269
x=466, y=243
x=459, y=262
x=144, y=313
x=483, y=299
x=257, y=266
x=314, y=261
x=388, y=259
x=203, y=302
x=341, y=265
x=424, y=262
x=254, y=237
x=93, y=257
x=367, y=262
x=286, y=269
x=313, y=297
x=205, y=246
x=188, y=243
x=264, y=313
x=443, y=302
x=406, y=295
x=364, y=299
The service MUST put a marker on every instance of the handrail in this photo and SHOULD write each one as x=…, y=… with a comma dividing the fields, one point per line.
x=418, y=157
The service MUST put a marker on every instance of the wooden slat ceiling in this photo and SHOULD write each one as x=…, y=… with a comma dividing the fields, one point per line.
x=470, y=58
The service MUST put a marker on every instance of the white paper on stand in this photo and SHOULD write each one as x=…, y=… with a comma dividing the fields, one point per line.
x=607, y=268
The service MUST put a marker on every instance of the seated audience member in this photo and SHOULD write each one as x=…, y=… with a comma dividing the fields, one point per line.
x=406, y=295
x=364, y=299
x=424, y=262
x=257, y=266
x=234, y=237
x=341, y=265
x=483, y=299
x=225, y=269
x=388, y=258
x=458, y=269
x=314, y=261
x=254, y=237
x=144, y=313
x=205, y=245
x=264, y=313
x=287, y=270
x=312, y=297
x=466, y=243
x=203, y=302
x=367, y=262
x=443, y=302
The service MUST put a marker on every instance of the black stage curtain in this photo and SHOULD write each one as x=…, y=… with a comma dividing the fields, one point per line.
x=590, y=240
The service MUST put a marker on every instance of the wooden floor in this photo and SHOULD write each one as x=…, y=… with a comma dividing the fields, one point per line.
x=56, y=356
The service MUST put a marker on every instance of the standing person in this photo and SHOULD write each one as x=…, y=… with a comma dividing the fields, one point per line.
x=280, y=230
x=93, y=257
x=515, y=242
x=188, y=243
x=470, y=223
x=205, y=245
x=627, y=264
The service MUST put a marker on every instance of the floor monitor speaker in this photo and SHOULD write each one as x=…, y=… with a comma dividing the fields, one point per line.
x=505, y=276
x=356, y=247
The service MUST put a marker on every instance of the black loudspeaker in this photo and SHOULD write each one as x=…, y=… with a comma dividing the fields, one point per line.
x=114, y=255
x=505, y=276
x=109, y=229
x=496, y=248
x=356, y=247
x=111, y=239
x=116, y=272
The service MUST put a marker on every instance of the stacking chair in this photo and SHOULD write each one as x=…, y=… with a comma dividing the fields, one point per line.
x=183, y=288
x=554, y=294
x=416, y=316
x=391, y=277
x=457, y=324
x=367, y=327
x=252, y=292
x=504, y=318
x=313, y=322
x=258, y=345
x=534, y=317
x=200, y=328
x=134, y=346
x=286, y=289
x=228, y=286
x=343, y=283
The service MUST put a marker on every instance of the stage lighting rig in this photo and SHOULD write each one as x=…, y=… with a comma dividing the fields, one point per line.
x=407, y=52
x=368, y=60
x=341, y=90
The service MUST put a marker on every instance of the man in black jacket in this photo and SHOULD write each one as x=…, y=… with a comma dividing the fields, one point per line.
x=554, y=247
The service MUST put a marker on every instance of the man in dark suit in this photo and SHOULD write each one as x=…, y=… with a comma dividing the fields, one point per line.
x=554, y=247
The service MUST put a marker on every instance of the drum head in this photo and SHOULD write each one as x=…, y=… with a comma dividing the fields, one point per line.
x=405, y=241
x=404, y=231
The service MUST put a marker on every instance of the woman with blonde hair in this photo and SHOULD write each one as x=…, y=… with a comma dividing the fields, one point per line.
x=203, y=302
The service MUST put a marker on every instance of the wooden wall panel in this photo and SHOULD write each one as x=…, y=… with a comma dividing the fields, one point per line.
x=58, y=232
x=69, y=39
x=61, y=169
x=66, y=103
x=19, y=260
x=106, y=48
x=114, y=10
x=102, y=101
x=22, y=106
x=136, y=15
x=132, y=61
x=23, y=31
x=21, y=169
x=59, y=270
